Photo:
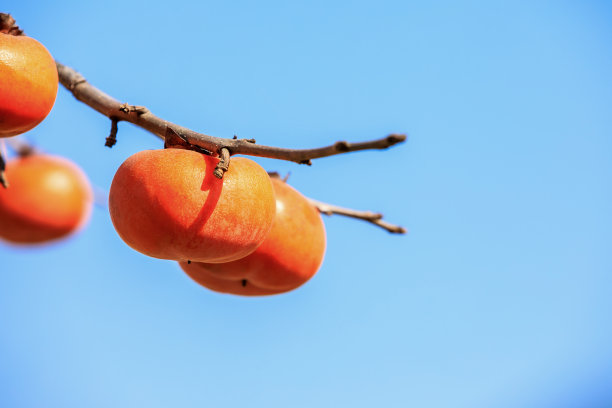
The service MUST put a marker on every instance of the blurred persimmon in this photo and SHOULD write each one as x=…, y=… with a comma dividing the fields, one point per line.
x=48, y=198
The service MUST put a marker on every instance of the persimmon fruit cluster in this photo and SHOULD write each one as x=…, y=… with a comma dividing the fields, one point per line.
x=168, y=204
x=245, y=234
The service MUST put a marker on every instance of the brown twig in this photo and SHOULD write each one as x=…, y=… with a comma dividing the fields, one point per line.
x=111, y=140
x=374, y=218
x=142, y=117
x=3, y=180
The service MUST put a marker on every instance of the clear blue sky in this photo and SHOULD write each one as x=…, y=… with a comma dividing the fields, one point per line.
x=500, y=296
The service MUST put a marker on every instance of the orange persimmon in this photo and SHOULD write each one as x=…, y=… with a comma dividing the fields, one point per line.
x=168, y=204
x=289, y=256
x=28, y=81
x=48, y=198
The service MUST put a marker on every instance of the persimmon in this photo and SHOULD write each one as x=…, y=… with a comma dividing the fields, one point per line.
x=28, y=80
x=168, y=204
x=48, y=198
x=289, y=256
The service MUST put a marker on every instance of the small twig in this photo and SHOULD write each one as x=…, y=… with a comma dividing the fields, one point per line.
x=374, y=218
x=8, y=25
x=223, y=164
x=3, y=179
x=142, y=117
x=111, y=140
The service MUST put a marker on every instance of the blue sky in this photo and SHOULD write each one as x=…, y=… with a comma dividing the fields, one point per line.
x=498, y=297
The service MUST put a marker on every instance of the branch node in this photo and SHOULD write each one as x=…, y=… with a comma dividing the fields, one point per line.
x=80, y=80
x=246, y=140
x=126, y=108
x=111, y=140
x=306, y=162
x=223, y=164
x=342, y=146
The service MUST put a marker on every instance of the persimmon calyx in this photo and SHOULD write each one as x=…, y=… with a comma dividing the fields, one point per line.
x=8, y=25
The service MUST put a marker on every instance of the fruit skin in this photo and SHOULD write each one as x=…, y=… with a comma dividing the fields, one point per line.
x=168, y=204
x=28, y=84
x=48, y=198
x=289, y=256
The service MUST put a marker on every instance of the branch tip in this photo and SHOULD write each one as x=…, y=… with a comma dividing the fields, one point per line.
x=395, y=138
x=111, y=140
x=126, y=108
x=373, y=218
x=342, y=146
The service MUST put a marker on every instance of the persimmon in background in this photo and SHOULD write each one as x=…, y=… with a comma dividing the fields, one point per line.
x=49, y=198
x=168, y=204
x=28, y=80
x=290, y=255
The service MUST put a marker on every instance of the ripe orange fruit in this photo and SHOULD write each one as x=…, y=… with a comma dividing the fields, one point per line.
x=28, y=83
x=289, y=256
x=168, y=204
x=48, y=198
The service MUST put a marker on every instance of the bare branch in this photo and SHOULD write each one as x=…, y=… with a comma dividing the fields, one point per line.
x=374, y=218
x=142, y=117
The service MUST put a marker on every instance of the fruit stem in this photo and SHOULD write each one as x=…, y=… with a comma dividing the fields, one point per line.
x=8, y=25
x=112, y=137
x=223, y=165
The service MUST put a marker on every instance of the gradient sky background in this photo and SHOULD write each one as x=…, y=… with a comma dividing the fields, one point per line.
x=500, y=295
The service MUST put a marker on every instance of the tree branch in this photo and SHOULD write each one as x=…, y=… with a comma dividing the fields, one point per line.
x=142, y=117
x=374, y=218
